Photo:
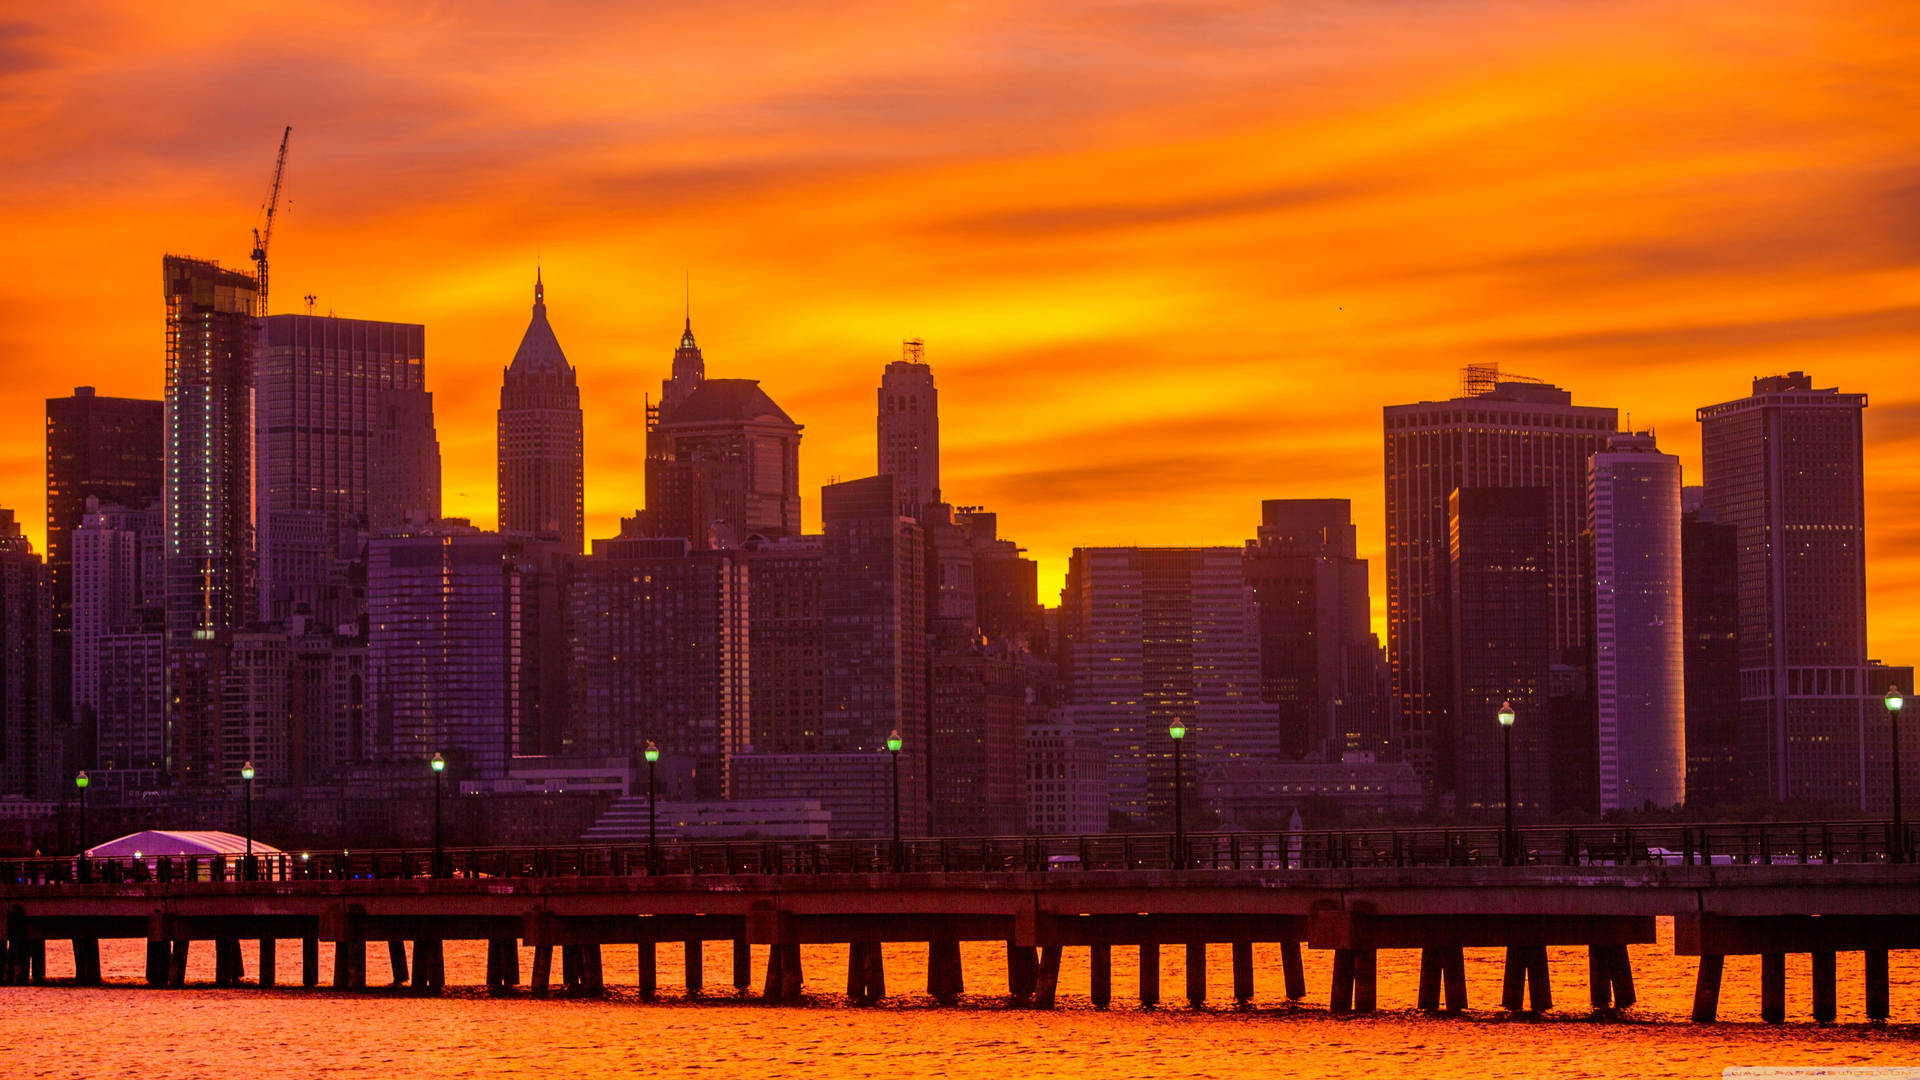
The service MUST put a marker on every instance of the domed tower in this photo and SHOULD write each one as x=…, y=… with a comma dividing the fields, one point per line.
x=540, y=443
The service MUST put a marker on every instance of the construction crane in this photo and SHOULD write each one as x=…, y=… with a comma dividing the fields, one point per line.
x=263, y=234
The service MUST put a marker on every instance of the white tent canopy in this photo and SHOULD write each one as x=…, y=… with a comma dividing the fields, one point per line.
x=160, y=842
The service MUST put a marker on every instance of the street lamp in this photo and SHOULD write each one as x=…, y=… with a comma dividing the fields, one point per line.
x=653, y=758
x=1894, y=701
x=80, y=781
x=246, y=773
x=1178, y=732
x=439, y=770
x=893, y=749
x=1508, y=839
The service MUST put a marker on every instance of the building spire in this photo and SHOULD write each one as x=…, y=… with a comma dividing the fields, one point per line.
x=539, y=290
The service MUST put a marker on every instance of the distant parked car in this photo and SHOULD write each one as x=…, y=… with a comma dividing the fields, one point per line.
x=1063, y=862
x=1668, y=857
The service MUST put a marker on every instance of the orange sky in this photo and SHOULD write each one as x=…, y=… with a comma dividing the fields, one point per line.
x=1169, y=259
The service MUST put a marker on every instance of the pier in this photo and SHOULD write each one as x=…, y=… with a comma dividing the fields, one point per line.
x=1819, y=889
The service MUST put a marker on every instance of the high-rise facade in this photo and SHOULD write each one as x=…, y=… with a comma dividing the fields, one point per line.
x=208, y=484
x=112, y=589
x=321, y=405
x=784, y=631
x=1639, y=670
x=874, y=619
x=541, y=490
x=1500, y=575
x=1502, y=432
x=1718, y=772
x=909, y=429
x=1317, y=649
x=106, y=448
x=659, y=654
x=1784, y=467
x=723, y=465
x=1154, y=635
x=443, y=634
x=32, y=761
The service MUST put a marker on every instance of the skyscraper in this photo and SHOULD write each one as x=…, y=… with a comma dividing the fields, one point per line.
x=1501, y=432
x=1639, y=628
x=31, y=757
x=443, y=624
x=909, y=428
x=784, y=632
x=1317, y=649
x=322, y=406
x=873, y=608
x=1717, y=772
x=209, y=448
x=1500, y=576
x=723, y=460
x=540, y=443
x=109, y=590
x=1784, y=467
x=1155, y=635
x=106, y=448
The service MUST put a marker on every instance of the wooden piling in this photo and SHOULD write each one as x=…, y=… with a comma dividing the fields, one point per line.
x=1293, y=969
x=1047, y=980
x=742, y=964
x=1429, y=994
x=1100, y=975
x=1340, y=998
x=269, y=961
x=1773, y=987
x=696, y=966
x=1824, y=999
x=1149, y=976
x=1706, y=989
x=649, y=969
x=309, y=961
x=1453, y=977
x=1876, y=979
x=1242, y=971
x=397, y=959
x=1196, y=974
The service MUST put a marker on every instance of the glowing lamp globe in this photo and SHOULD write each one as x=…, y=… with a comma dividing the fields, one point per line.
x=1506, y=714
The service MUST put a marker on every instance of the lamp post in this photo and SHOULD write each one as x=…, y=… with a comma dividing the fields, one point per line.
x=1508, y=840
x=439, y=770
x=893, y=750
x=1894, y=701
x=653, y=758
x=1178, y=732
x=80, y=781
x=246, y=773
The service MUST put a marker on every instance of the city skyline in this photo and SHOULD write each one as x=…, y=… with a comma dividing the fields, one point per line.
x=1679, y=247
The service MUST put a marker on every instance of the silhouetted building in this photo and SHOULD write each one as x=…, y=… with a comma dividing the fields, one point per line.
x=874, y=619
x=1501, y=433
x=1006, y=584
x=443, y=620
x=1317, y=649
x=31, y=756
x=115, y=587
x=1501, y=540
x=1639, y=638
x=784, y=631
x=1880, y=678
x=106, y=448
x=130, y=713
x=324, y=416
x=209, y=448
x=1154, y=635
x=659, y=636
x=544, y=570
x=403, y=480
x=723, y=461
x=1718, y=774
x=1265, y=797
x=856, y=789
x=983, y=703
x=540, y=443
x=1066, y=779
x=909, y=429
x=1783, y=466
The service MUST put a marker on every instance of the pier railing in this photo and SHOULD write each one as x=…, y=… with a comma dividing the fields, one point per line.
x=1740, y=844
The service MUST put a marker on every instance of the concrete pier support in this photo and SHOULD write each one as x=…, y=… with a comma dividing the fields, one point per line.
x=1824, y=1000
x=1023, y=968
x=1293, y=969
x=158, y=957
x=1047, y=979
x=1340, y=997
x=350, y=965
x=227, y=967
x=37, y=960
x=1527, y=983
x=866, y=973
x=397, y=960
x=1366, y=980
x=784, y=977
x=1428, y=999
x=309, y=961
x=1453, y=977
x=1609, y=977
x=742, y=964
x=1773, y=988
x=1149, y=976
x=1876, y=978
x=269, y=960
x=503, y=965
x=1100, y=975
x=592, y=977
x=177, y=964
x=542, y=970
x=1706, y=989
x=86, y=961
x=1197, y=974
x=648, y=964
x=1242, y=972
x=695, y=964
x=945, y=979
x=429, y=966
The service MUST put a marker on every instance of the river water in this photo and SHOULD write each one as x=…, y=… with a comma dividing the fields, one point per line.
x=126, y=1029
